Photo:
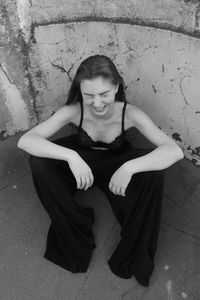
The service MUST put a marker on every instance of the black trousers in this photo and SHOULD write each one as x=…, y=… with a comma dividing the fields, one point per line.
x=70, y=240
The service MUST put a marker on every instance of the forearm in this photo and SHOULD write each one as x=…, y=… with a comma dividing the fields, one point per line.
x=160, y=158
x=39, y=146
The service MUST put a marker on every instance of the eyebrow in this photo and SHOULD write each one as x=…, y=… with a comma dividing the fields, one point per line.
x=87, y=94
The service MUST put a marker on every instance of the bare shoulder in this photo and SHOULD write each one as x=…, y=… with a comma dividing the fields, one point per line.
x=135, y=115
x=59, y=119
x=68, y=113
x=146, y=126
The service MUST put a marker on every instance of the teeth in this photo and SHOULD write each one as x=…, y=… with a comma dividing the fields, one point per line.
x=100, y=109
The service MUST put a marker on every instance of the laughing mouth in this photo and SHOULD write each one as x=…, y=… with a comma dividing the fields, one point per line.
x=100, y=109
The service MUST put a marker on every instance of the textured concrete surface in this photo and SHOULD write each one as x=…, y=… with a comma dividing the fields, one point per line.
x=16, y=102
x=169, y=14
x=11, y=159
x=26, y=275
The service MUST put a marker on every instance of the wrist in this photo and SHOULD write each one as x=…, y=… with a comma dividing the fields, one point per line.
x=71, y=155
x=129, y=168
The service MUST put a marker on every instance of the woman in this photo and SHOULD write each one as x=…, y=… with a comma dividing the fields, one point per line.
x=99, y=154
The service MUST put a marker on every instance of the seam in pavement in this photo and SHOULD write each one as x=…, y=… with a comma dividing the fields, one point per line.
x=171, y=199
x=18, y=178
x=181, y=231
x=109, y=234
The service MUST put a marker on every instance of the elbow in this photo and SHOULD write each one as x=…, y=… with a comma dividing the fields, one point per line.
x=21, y=143
x=179, y=153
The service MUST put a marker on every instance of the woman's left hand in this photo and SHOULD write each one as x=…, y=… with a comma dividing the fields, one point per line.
x=120, y=180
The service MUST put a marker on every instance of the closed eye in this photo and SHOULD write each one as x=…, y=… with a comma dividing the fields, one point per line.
x=104, y=93
x=101, y=94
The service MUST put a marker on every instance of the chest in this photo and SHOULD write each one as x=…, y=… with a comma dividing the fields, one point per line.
x=100, y=131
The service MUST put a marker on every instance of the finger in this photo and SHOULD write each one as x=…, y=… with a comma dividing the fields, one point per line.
x=82, y=184
x=113, y=189
x=87, y=182
x=122, y=192
x=91, y=179
x=118, y=190
x=111, y=186
x=78, y=182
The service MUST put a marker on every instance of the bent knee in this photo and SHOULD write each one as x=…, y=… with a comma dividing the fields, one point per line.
x=38, y=164
x=157, y=175
x=44, y=165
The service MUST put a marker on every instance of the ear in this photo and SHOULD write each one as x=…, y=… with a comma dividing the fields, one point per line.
x=116, y=88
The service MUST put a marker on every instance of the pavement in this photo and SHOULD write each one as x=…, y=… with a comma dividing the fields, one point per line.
x=26, y=275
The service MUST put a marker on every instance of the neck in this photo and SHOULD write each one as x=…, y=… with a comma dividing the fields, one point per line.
x=106, y=117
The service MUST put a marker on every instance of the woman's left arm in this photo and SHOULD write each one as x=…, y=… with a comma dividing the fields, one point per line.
x=167, y=152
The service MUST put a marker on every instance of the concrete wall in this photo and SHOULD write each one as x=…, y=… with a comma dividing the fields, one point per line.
x=155, y=45
x=16, y=111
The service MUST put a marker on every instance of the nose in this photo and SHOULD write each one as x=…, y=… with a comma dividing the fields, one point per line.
x=97, y=102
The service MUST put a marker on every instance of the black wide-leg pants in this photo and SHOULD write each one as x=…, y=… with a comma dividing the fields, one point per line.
x=70, y=239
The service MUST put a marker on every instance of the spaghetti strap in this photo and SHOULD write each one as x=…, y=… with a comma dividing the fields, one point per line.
x=123, y=117
x=81, y=119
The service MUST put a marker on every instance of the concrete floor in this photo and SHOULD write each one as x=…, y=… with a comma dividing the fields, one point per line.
x=26, y=275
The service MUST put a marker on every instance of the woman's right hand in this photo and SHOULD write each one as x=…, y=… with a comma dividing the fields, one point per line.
x=81, y=171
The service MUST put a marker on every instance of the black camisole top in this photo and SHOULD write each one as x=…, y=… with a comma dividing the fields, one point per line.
x=87, y=142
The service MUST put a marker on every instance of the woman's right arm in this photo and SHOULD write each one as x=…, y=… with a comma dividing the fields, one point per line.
x=36, y=142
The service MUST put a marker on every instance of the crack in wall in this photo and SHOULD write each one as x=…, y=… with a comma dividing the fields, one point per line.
x=185, y=121
x=181, y=89
x=187, y=104
x=6, y=74
x=62, y=69
x=72, y=65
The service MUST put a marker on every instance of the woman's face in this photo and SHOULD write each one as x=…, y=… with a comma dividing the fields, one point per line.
x=98, y=94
